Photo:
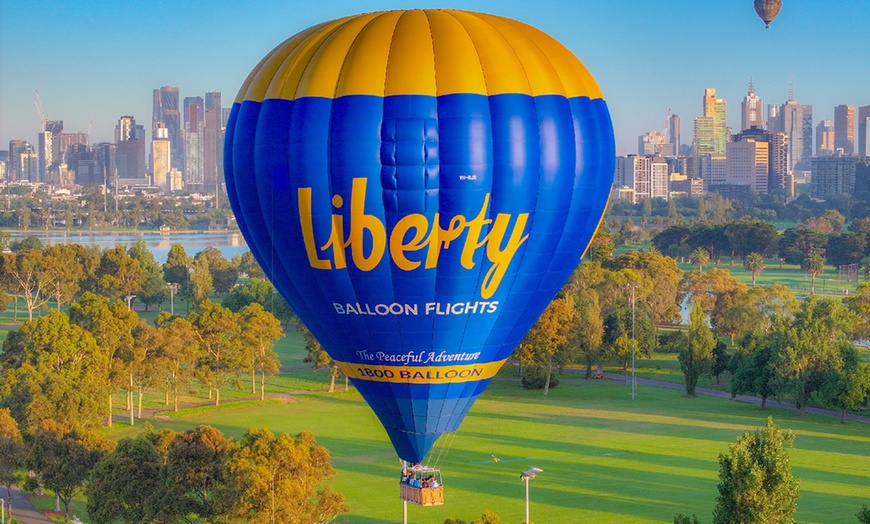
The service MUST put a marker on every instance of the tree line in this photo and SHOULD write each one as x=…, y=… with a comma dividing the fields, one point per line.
x=782, y=348
x=162, y=476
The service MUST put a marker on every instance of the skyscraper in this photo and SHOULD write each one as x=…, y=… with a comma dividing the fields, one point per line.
x=863, y=128
x=193, y=142
x=747, y=164
x=674, y=133
x=715, y=108
x=752, y=114
x=131, y=160
x=212, y=146
x=825, y=138
x=844, y=128
x=166, y=111
x=161, y=157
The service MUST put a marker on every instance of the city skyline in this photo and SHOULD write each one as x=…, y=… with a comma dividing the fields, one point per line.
x=105, y=61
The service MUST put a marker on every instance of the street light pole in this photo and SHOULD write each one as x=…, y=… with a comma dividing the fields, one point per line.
x=633, y=340
x=129, y=299
x=173, y=288
x=526, y=476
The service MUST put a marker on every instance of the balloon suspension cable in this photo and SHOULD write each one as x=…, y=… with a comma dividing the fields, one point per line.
x=445, y=443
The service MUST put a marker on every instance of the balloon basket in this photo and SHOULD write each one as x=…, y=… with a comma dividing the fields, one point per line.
x=421, y=485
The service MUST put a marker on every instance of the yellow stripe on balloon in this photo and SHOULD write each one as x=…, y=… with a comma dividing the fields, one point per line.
x=421, y=374
x=419, y=52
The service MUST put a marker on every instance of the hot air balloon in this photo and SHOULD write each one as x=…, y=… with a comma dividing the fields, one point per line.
x=418, y=185
x=767, y=10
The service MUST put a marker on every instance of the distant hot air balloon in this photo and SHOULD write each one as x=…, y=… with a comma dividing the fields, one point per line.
x=767, y=10
x=419, y=185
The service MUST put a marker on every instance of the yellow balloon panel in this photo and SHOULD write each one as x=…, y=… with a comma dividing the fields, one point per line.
x=419, y=52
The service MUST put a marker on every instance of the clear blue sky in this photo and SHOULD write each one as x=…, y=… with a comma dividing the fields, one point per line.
x=100, y=59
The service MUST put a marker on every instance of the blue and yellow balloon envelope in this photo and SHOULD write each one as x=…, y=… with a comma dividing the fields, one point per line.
x=419, y=185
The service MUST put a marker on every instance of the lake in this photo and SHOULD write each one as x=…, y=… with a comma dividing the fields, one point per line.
x=229, y=244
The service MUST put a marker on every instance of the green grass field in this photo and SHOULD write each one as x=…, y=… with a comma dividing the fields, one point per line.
x=605, y=458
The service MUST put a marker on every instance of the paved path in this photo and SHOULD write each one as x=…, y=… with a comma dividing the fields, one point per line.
x=23, y=510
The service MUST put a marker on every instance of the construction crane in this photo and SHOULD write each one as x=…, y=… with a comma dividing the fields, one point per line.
x=40, y=111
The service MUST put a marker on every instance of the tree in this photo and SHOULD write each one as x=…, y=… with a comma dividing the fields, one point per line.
x=218, y=332
x=261, y=292
x=618, y=334
x=248, y=265
x=11, y=451
x=864, y=515
x=112, y=325
x=224, y=273
x=721, y=360
x=550, y=342
x=798, y=243
x=679, y=518
x=317, y=357
x=489, y=516
x=194, y=473
x=177, y=266
x=201, y=283
x=118, y=274
x=63, y=460
x=847, y=248
x=700, y=257
x=847, y=387
x=754, y=263
x=752, y=370
x=28, y=273
x=123, y=485
x=590, y=328
x=657, y=280
x=64, y=266
x=259, y=332
x=153, y=290
x=52, y=370
x=756, y=482
x=279, y=478
x=696, y=351
x=809, y=346
x=177, y=355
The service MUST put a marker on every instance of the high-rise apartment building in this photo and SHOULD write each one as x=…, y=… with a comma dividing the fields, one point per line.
x=45, y=155
x=212, y=144
x=193, y=143
x=713, y=170
x=825, y=138
x=781, y=179
x=832, y=175
x=752, y=110
x=166, y=110
x=161, y=156
x=703, y=142
x=23, y=161
x=863, y=128
x=645, y=177
x=844, y=128
x=747, y=164
x=674, y=133
x=130, y=157
x=796, y=120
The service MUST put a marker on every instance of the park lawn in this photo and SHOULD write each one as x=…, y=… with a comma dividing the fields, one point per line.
x=295, y=375
x=77, y=507
x=605, y=458
x=792, y=276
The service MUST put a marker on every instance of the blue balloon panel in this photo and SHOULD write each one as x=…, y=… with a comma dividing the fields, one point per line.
x=419, y=237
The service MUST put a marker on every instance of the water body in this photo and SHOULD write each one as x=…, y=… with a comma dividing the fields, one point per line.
x=229, y=244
